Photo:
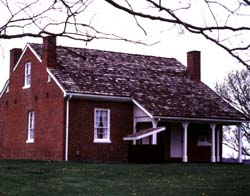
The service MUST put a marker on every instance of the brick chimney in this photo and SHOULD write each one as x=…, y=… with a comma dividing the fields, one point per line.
x=194, y=65
x=15, y=54
x=49, y=51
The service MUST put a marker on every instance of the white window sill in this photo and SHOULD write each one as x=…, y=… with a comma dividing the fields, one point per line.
x=105, y=141
x=30, y=141
x=27, y=86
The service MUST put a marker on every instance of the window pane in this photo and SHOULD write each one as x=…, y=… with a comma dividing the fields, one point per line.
x=31, y=134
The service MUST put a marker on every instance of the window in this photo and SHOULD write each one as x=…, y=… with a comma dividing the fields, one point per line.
x=31, y=126
x=102, y=126
x=203, y=141
x=27, y=75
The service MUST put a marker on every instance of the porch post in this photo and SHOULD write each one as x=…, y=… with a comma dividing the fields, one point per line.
x=212, y=125
x=134, y=129
x=154, y=136
x=218, y=145
x=240, y=144
x=184, y=150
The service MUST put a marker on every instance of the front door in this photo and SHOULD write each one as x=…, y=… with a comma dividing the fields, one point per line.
x=176, y=142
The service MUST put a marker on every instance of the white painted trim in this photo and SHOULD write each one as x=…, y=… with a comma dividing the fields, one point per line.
x=218, y=146
x=213, y=126
x=4, y=88
x=29, y=141
x=145, y=135
x=104, y=140
x=154, y=139
x=31, y=126
x=58, y=83
x=143, y=119
x=240, y=144
x=24, y=50
x=99, y=97
x=200, y=120
x=67, y=129
x=142, y=108
x=26, y=86
x=185, y=142
x=134, y=127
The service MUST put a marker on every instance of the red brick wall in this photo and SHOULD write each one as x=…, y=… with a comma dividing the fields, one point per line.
x=46, y=99
x=81, y=131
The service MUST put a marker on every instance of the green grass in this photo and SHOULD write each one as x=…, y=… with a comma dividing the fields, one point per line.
x=59, y=178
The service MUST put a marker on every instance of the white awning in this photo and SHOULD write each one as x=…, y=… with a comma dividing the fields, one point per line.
x=143, y=133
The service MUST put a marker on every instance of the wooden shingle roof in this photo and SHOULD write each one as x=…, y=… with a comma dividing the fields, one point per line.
x=160, y=85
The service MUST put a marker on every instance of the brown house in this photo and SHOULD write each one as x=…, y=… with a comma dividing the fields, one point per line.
x=64, y=103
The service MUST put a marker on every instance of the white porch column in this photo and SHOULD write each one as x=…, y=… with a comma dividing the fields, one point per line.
x=184, y=150
x=213, y=126
x=240, y=143
x=134, y=129
x=154, y=136
x=218, y=146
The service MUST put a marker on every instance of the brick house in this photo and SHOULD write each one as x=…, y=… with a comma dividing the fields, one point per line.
x=63, y=103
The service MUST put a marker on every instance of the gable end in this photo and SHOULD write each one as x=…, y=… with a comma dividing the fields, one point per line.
x=25, y=49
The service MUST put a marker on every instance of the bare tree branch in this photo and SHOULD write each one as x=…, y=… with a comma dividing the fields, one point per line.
x=225, y=23
x=236, y=90
x=207, y=31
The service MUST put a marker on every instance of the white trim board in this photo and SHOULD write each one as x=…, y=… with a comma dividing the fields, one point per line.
x=99, y=97
x=24, y=50
x=154, y=131
x=201, y=120
x=57, y=82
x=142, y=108
x=4, y=88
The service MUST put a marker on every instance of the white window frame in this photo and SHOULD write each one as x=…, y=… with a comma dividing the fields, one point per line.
x=31, y=127
x=27, y=75
x=102, y=140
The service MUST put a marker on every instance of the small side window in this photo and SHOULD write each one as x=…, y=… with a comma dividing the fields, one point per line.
x=27, y=75
x=31, y=127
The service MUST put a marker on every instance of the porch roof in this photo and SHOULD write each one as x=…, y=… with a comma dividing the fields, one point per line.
x=143, y=133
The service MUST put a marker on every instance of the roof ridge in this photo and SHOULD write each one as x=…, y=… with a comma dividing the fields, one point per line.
x=109, y=51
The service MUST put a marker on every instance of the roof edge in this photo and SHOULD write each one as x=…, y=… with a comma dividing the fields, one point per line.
x=142, y=108
x=212, y=120
x=4, y=88
x=57, y=82
x=99, y=97
x=24, y=50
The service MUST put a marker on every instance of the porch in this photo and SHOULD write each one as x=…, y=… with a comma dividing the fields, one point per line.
x=179, y=141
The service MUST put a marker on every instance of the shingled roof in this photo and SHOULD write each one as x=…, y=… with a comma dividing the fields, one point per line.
x=160, y=85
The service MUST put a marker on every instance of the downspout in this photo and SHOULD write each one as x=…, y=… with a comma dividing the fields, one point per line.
x=67, y=128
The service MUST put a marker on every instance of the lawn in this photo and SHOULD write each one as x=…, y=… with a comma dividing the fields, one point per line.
x=73, y=178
